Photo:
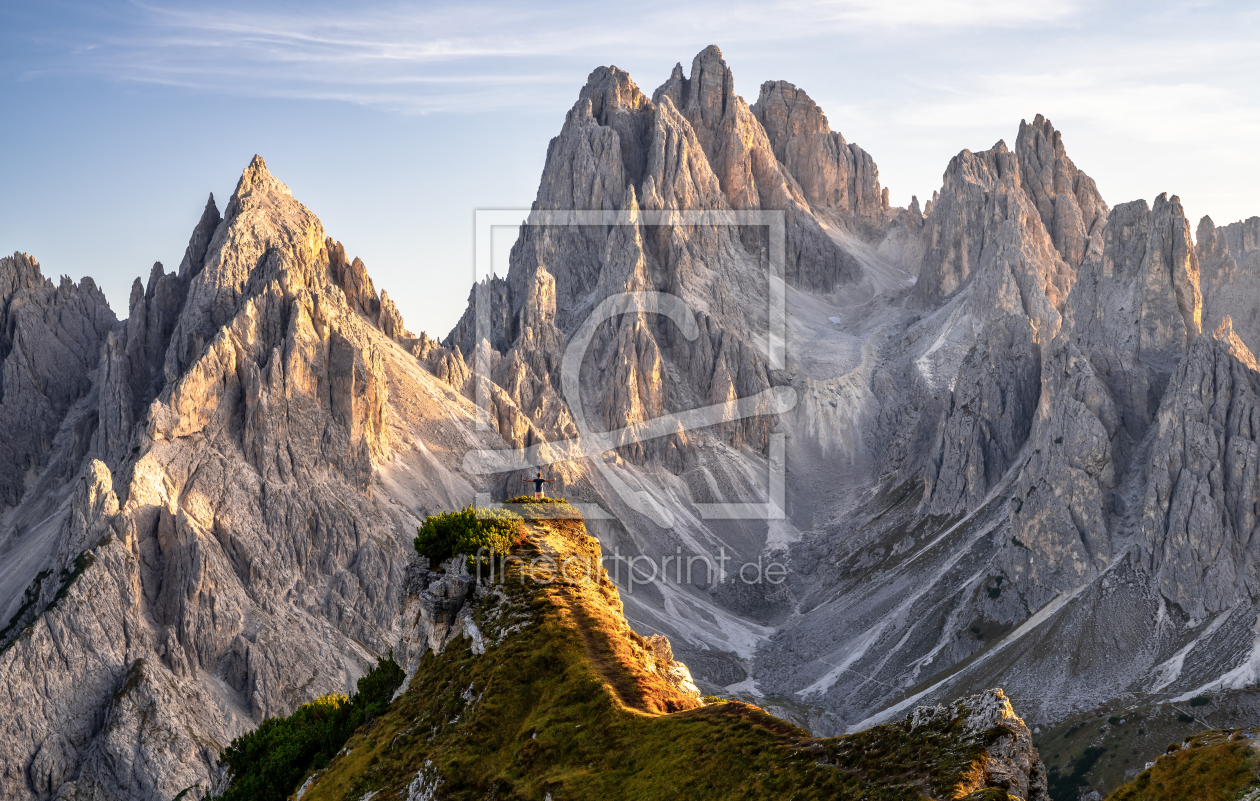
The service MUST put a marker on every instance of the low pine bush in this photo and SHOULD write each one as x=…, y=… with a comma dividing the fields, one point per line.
x=444, y=535
x=268, y=764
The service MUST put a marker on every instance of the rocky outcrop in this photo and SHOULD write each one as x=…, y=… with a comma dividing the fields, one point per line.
x=1229, y=277
x=437, y=607
x=1199, y=508
x=50, y=345
x=391, y=321
x=1071, y=209
x=663, y=664
x=834, y=175
x=1012, y=762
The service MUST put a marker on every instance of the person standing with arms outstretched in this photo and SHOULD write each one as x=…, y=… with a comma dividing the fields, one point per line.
x=538, y=484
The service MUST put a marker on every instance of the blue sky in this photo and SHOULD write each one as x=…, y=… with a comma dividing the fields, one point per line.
x=393, y=122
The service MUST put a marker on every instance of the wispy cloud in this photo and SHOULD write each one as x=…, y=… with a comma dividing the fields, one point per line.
x=940, y=14
x=459, y=57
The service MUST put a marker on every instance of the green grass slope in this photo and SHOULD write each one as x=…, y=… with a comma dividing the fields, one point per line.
x=1106, y=747
x=1209, y=766
x=563, y=704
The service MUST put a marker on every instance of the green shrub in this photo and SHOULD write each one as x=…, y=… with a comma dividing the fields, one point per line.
x=446, y=534
x=1200, y=700
x=268, y=764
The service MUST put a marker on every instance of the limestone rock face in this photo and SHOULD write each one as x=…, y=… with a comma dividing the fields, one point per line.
x=693, y=146
x=224, y=490
x=995, y=395
x=50, y=344
x=1229, y=264
x=1202, y=490
x=984, y=218
x=1013, y=762
x=964, y=382
x=1063, y=500
x=1137, y=307
x=1104, y=378
x=833, y=175
x=1067, y=199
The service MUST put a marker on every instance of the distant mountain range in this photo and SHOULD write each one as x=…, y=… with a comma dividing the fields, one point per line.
x=1015, y=430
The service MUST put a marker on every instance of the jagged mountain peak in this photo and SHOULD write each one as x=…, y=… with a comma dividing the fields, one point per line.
x=195, y=254
x=1229, y=264
x=19, y=271
x=611, y=89
x=984, y=221
x=256, y=181
x=50, y=345
x=1068, y=200
x=802, y=115
x=839, y=180
x=711, y=85
x=1237, y=348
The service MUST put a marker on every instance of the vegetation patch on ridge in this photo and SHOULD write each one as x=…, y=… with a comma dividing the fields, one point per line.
x=269, y=763
x=1209, y=766
x=468, y=531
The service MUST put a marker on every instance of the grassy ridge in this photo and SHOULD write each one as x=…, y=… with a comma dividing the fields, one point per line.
x=1211, y=766
x=562, y=703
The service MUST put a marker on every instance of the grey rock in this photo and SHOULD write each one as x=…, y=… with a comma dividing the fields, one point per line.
x=991, y=412
x=1199, y=510
x=1137, y=307
x=983, y=215
x=1013, y=762
x=50, y=344
x=833, y=174
x=210, y=505
x=1229, y=265
x=1067, y=199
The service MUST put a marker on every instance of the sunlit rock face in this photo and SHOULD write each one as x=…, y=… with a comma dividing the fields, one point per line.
x=836, y=177
x=215, y=530
x=998, y=413
x=1229, y=263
